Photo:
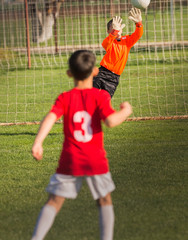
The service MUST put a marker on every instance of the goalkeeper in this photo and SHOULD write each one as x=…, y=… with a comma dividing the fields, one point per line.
x=117, y=49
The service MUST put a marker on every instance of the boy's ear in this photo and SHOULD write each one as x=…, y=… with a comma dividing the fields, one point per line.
x=69, y=73
x=95, y=71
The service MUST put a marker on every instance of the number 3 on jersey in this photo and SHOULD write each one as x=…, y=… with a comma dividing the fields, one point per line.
x=85, y=126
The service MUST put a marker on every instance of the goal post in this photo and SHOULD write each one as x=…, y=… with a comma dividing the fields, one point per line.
x=27, y=34
x=154, y=80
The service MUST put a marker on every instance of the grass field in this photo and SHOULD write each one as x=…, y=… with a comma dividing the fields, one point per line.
x=148, y=159
x=154, y=80
x=155, y=87
x=148, y=162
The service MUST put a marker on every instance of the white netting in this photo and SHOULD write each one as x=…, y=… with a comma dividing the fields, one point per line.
x=154, y=79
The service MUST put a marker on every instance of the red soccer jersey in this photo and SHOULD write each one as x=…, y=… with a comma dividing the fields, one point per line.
x=83, y=151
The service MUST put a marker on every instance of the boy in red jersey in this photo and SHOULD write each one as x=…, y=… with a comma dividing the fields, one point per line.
x=117, y=49
x=83, y=155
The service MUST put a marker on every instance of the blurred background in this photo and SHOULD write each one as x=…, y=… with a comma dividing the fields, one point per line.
x=37, y=38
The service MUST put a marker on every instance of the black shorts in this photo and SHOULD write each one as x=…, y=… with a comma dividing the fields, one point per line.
x=106, y=80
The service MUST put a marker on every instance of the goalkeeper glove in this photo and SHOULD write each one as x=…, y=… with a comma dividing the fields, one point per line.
x=135, y=15
x=116, y=26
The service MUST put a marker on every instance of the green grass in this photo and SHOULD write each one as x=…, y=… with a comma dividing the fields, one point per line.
x=148, y=162
x=147, y=159
x=155, y=87
x=154, y=80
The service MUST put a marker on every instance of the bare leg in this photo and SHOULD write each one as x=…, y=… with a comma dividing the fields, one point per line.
x=56, y=7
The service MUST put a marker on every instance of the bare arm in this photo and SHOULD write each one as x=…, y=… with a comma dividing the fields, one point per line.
x=45, y=127
x=39, y=14
x=120, y=116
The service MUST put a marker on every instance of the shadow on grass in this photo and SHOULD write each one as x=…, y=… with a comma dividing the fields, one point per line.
x=26, y=133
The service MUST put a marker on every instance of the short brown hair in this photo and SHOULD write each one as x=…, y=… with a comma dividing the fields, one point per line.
x=81, y=64
x=109, y=24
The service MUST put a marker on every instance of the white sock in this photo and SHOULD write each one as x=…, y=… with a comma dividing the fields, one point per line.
x=44, y=222
x=106, y=222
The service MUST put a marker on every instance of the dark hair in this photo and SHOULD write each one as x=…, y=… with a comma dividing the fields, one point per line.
x=81, y=64
x=109, y=24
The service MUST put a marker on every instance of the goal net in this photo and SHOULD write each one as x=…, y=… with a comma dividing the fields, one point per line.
x=37, y=38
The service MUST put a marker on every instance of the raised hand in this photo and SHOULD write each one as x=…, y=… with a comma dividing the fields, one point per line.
x=116, y=24
x=135, y=15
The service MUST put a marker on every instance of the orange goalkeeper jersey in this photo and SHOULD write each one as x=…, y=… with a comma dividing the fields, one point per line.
x=117, y=52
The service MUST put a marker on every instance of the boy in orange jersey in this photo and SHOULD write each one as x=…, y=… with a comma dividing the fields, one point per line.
x=117, y=49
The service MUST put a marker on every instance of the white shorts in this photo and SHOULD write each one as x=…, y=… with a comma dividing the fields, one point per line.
x=68, y=186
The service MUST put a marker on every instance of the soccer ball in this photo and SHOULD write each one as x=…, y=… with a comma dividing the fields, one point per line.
x=141, y=4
